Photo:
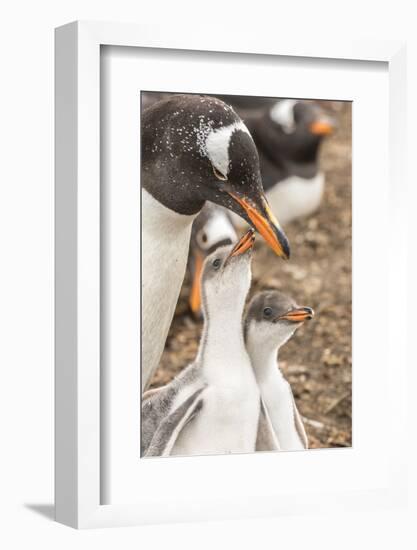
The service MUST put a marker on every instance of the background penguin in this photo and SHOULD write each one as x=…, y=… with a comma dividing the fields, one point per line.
x=213, y=406
x=288, y=134
x=212, y=229
x=271, y=320
x=194, y=149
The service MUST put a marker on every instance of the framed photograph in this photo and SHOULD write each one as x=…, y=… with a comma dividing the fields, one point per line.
x=228, y=333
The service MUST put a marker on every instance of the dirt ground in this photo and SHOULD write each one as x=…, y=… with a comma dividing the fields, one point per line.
x=317, y=361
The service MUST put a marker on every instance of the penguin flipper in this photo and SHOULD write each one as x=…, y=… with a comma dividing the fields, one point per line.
x=170, y=428
x=155, y=407
x=150, y=393
x=299, y=426
x=266, y=440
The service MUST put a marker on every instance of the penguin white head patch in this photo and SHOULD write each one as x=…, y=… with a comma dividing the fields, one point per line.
x=217, y=146
x=217, y=228
x=282, y=113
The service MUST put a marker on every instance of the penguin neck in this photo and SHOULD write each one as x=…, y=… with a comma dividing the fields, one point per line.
x=307, y=151
x=175, y=192
x=160, y=219
x=264, y=359
x=276, y=394
x=222, y=343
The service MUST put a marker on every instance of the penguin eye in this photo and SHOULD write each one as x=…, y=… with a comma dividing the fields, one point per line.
x=216, y=263
x=219, y=175
x=267, y=312
x=202, y=239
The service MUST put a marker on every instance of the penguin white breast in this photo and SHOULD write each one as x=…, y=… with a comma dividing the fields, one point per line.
x=277, y=395
x=227, y=423
x=165, y=243
x=228, y=420
x=296, y=197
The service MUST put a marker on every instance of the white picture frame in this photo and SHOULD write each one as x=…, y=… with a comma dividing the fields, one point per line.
x=78, y=321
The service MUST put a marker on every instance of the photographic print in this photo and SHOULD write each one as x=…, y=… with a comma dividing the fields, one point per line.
x=246, y=236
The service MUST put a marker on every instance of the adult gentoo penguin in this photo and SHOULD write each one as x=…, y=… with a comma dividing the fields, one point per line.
x=212, y=229
x=288, y=137
x=213, y=405
x=271, y=320
x=194, y=149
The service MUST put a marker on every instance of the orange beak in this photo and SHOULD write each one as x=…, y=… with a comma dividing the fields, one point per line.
x=195, y=295
x=297, y=315
x=243, y=245
x=321, y=127
x=266, y=224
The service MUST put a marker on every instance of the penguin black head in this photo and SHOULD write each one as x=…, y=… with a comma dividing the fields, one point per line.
x=197, y=149
x=291, y=131
x=273, y=317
